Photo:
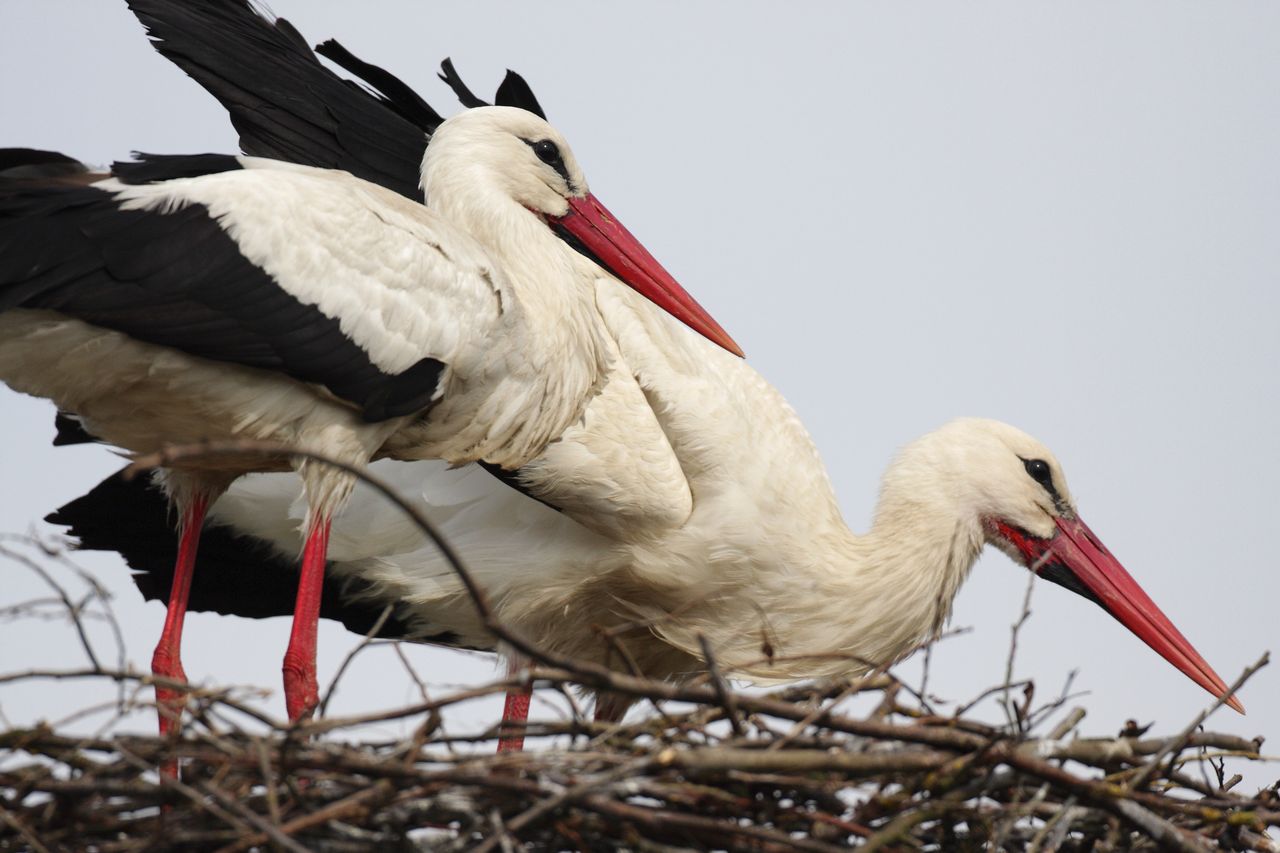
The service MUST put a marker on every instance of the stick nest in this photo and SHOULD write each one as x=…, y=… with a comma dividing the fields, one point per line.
x=785, y=771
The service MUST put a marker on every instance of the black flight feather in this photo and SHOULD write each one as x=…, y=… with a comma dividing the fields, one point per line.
x=30, y=163
x=287, y=105
x=465, y=96
x=149, y=168
x=389, y=89
x=178, y=279
x=238, y=575
x=283, y=101
x=71, y=431
x=515, y=92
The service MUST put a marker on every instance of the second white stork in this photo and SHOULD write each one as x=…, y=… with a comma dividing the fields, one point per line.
x=760, y=564
x=190, y=298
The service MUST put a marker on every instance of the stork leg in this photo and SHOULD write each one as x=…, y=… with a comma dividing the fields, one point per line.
x=301, y=692
x=515, y=709
x=166, y=661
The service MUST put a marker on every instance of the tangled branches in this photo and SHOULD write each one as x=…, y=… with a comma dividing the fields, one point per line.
x=800, y=775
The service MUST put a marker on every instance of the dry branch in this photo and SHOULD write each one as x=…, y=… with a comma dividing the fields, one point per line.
x=685, y=781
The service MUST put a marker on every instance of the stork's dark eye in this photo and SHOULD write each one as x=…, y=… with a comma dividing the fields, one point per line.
x=547, y=152
x=1039, y=471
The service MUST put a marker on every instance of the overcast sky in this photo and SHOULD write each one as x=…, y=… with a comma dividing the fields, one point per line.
x=1063, y=216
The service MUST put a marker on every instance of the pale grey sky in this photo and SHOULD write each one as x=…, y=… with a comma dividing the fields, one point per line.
x=1060, y=215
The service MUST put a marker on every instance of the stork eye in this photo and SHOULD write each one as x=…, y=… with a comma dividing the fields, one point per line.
x=547, y=152
x=1039, y=471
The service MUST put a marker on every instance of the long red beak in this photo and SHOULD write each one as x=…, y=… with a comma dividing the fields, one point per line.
x=607, y=242
x=1076, y=559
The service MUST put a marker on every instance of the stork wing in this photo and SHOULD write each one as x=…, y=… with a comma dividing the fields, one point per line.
x=310, y=273
x=284, y=103
x=614, y=471
x=288, y=106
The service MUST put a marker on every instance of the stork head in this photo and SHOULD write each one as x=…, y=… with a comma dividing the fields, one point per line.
x=1020, y=496
x=517, y=155
x=508, y=149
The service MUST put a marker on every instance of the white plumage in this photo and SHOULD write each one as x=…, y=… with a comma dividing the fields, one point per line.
x=465, y=331
x=755, y=554
x=405, y=283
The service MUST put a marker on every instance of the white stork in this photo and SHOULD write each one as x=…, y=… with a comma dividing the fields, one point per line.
x=189, y=298
x=696, y=509
x=693, y=503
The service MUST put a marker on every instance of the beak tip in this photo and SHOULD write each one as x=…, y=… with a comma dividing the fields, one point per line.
x=1236, y=705
x=712, y=331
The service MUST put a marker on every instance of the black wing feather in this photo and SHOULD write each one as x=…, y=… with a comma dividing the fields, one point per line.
x=24, y=163
x=515, y=92
x=71, y=431
x=177, y=279
x=389, y=89
x=283, y=101
x=287, y=105
x=148, y=168
x=465, y=96
x=239, y=575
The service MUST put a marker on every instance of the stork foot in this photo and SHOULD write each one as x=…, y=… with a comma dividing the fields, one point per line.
x=170, y=703
x=301, y=689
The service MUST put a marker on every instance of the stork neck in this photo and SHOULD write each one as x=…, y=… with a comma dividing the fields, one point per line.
x=888, y=591
x=918, y=552
x=551, y=282
x=847, y=603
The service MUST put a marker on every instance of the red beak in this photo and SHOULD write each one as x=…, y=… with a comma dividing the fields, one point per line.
x=591, y=227
x=1076, y=559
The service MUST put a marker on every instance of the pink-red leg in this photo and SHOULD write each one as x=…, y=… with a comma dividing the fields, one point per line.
x=301, y=692
x=167, y=659
x=514, y=710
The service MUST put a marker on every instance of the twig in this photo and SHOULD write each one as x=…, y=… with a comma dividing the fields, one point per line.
x=334, y=811
x=273, y=833
x=364, y=643
x=1015, y=718
x=22, y=829
x=593, y=785
x=72, y=610
x=721, y=687
x=146, y=679
x=1177, y=743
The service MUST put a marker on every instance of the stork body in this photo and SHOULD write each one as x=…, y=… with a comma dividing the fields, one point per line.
x=753, y=555
x=186, y=299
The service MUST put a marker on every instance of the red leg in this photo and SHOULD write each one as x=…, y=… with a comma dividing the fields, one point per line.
x=514, y=710
x=167, y=659
x=301, y=693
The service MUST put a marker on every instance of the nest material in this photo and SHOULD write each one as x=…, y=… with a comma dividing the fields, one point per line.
x=748, y=772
